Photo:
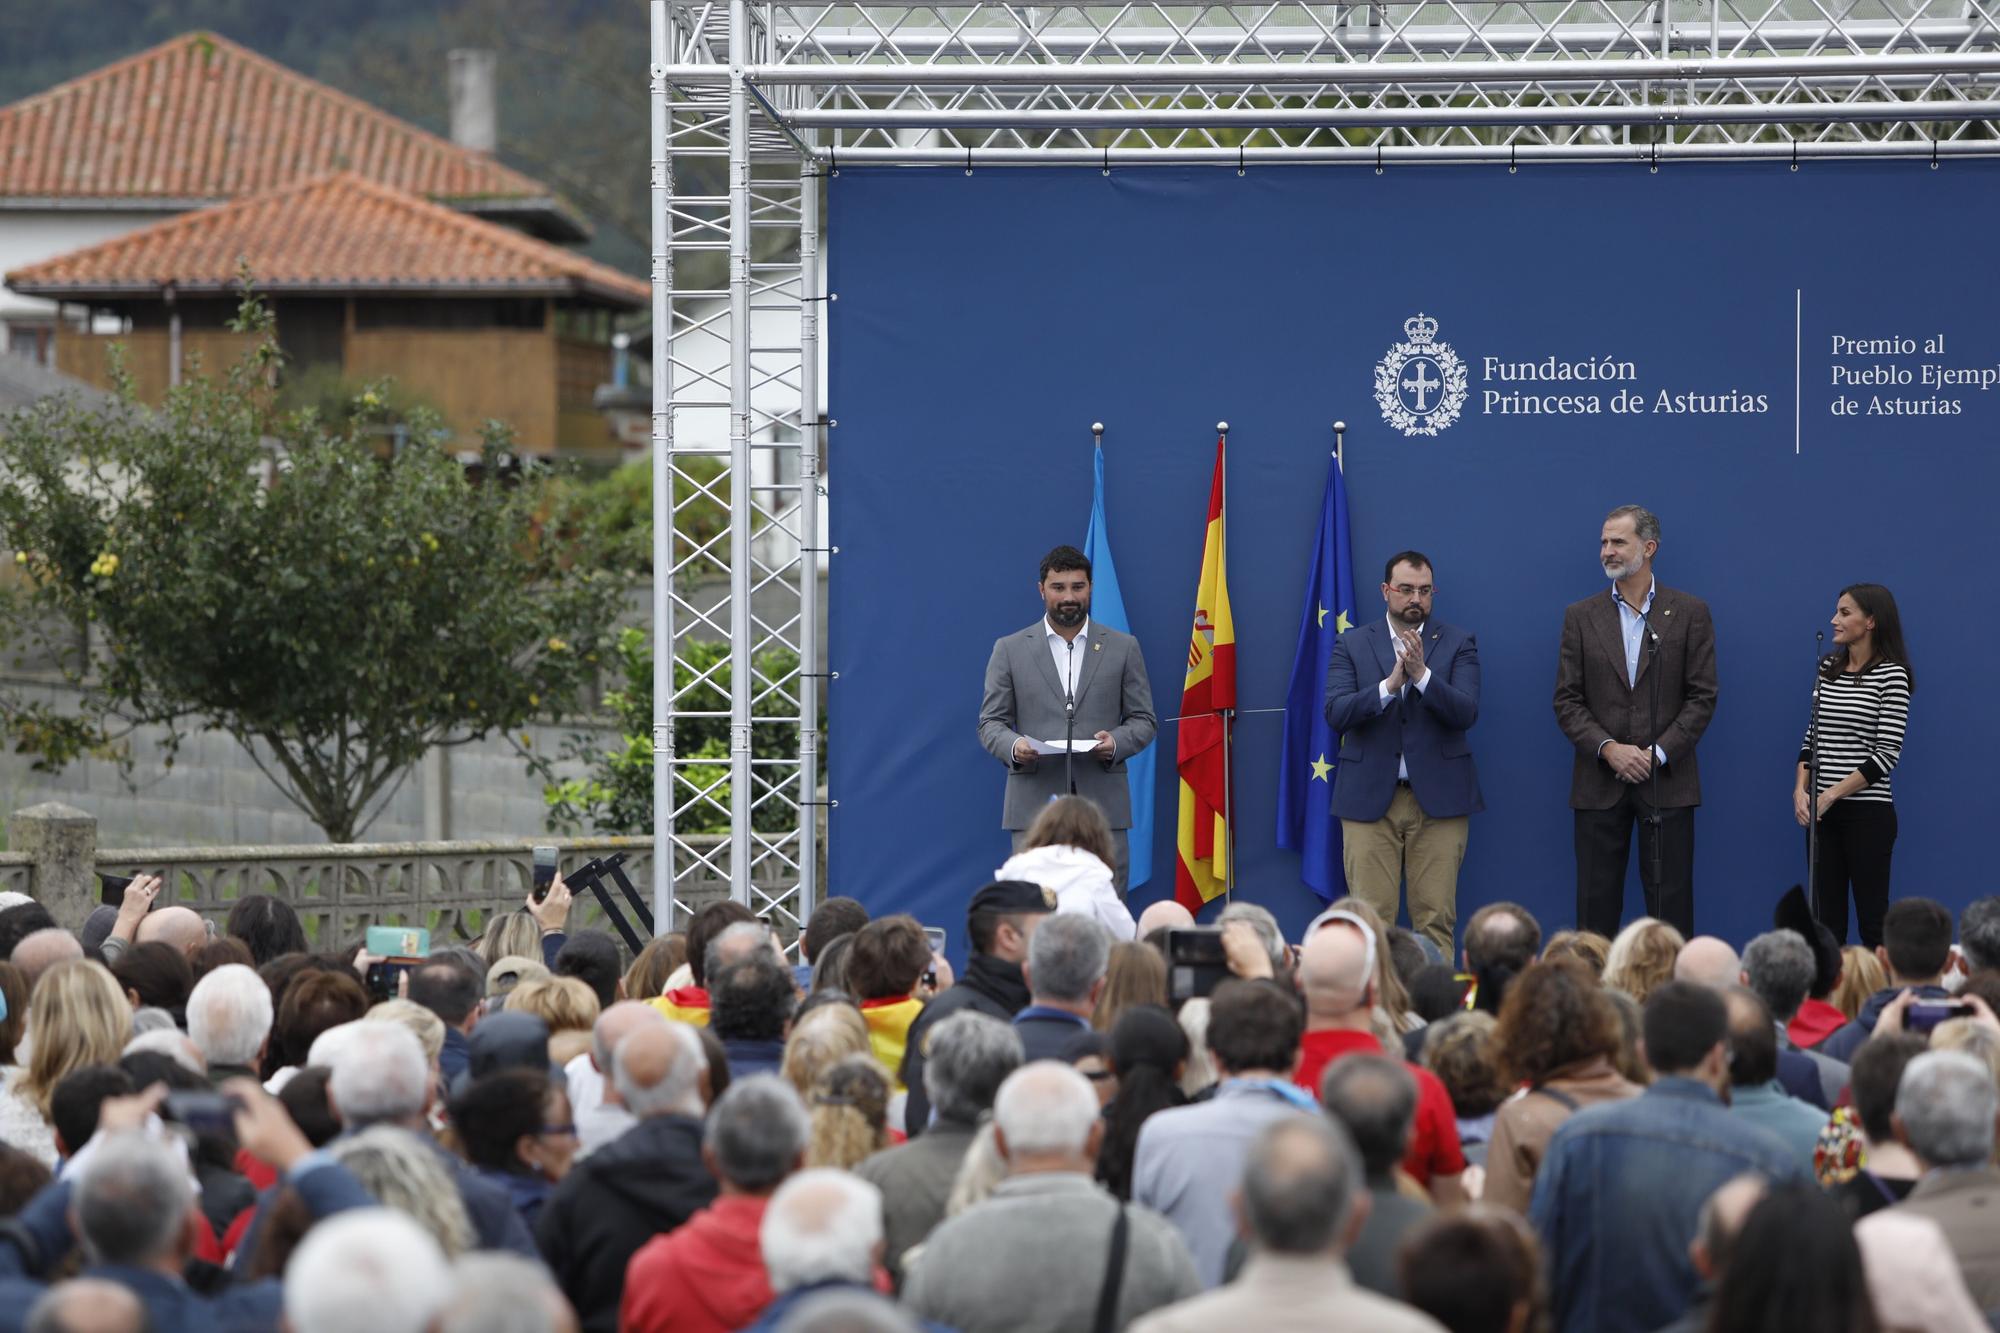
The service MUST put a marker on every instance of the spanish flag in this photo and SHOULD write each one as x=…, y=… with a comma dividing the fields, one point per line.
x=1207, y=698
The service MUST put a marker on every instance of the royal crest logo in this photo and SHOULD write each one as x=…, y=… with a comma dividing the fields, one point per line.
x=1420, y=384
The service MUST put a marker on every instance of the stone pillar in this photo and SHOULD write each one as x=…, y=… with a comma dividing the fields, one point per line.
x=63, y=841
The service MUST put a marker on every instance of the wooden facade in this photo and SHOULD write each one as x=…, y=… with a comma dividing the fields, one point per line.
x=530, y=362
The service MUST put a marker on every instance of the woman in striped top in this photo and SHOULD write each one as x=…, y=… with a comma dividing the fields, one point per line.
x=1864, y=704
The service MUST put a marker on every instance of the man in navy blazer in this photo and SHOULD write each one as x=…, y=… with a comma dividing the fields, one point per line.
x=1402, y=691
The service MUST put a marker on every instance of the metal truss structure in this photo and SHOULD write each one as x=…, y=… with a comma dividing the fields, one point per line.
x=767, y=98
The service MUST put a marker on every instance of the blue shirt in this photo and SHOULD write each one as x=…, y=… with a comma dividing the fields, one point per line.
x=1632, y=626
x=1619, y=1195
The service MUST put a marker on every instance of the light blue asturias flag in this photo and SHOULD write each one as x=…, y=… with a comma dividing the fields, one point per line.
x=1312, y=748
x=1107, y=607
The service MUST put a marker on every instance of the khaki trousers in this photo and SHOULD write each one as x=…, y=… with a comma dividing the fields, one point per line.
x=1407, y=843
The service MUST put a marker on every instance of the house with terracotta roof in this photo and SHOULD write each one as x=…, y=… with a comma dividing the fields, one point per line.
x=200, y=120
x=473, y=317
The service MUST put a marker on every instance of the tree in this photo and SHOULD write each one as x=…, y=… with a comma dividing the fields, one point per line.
x=222, y=563
x=615, y=793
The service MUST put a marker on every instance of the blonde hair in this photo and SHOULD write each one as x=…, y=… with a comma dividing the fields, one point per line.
x=402, y=1172
x=979, y=1171
x=1977, y=1041
x=819, y=1041
x=510, y=935
x=566, y=1004
x=79, y=1016
x=1586, y=946
x=1642, y=957
x=427, y=1026
x=1198, y=1074
x=646, y=979
x=1136, y=974
x=1861, y=975
x=850, y=1114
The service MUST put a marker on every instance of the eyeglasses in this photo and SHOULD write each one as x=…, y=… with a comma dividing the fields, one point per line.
x=1407, y=591
x=562, y=1131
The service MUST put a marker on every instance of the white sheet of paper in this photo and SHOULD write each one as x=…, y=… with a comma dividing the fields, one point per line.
x=1081, y=745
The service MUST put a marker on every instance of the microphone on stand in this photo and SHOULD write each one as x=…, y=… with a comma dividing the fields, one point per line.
x=1069, y=714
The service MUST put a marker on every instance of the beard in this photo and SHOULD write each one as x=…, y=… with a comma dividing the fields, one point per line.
x=1412, y=615
x=1615, y=570
x=1068, y=614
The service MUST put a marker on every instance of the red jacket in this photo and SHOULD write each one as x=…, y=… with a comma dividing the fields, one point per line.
x=705, y=1276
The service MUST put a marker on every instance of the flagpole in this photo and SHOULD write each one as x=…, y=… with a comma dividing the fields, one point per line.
x=1228, y=714
x=1339, y=445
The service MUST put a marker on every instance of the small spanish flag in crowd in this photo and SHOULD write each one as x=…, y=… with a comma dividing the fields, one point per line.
x=1208, y=699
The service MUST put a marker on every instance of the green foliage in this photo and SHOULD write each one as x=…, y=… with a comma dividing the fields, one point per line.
x=341, y=405
x=222, y=563
x=616, y=793
x=614, y=513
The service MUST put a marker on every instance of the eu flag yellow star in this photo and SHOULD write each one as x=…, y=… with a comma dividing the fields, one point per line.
x=1322, y=615
x=1341, y=624
x=1321, y=768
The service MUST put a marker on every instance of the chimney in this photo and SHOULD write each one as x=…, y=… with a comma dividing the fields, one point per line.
x=475, y=119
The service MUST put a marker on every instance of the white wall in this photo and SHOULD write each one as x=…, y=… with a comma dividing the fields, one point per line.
x=28, y=236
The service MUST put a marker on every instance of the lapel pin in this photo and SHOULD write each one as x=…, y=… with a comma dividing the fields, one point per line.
x=1096, y=647
x=1667, y=611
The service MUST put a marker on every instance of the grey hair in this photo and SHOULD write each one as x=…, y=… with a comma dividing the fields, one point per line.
x=679, y=1089
x=1068, y=956
x=169, y=1042
x=730, y=940
x=1045, y=1107
x=846, y=1312
x=133, y=1200
x=757, y=1130
x=229, y=1014
x=367, y=1270
x=1979, y=934
x=1299, y=1183
x=1947, y=1103
x=980, y=1172
x=378, y=1073
x=1375, y=1099
x=153, y=1019
x=1266, y=926
x=403, y=1172
x=494, y=1291
x=1778, y=966
x=1645, y=523
x=821, y=1226
x=968, y=1056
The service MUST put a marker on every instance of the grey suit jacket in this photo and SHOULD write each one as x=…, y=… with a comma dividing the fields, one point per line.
x=1964, y=1203
x=1024, y=697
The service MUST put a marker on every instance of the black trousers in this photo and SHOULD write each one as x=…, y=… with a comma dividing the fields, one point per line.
x=1604, y=847
x=1855, y=839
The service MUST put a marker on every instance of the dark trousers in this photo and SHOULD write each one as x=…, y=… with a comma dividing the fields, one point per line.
x=1855, y=839
x=1603, y=848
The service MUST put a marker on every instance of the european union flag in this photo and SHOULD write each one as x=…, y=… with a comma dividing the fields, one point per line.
x=1312, y=749
x=1107, y=607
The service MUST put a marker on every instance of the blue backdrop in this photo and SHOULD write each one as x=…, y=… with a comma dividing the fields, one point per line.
x=983, y=322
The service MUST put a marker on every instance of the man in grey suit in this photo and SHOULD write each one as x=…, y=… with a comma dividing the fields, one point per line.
x=1064, y=660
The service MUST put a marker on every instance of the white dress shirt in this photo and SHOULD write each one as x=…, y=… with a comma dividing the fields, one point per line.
x=1632, y=626
x=1068, y=660
x=1402, y=768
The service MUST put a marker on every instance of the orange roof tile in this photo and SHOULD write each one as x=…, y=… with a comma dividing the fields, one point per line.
x=336, y=233
x=201, y=118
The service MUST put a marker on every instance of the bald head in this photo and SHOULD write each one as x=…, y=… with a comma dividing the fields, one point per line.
x=658, y=1070
x=1707, y=961
x=1333, y=971
x=181, y=927
x=87, y=1305
x=42, y=951
x=615, y=1024
x=1165, y=914
x=1722, y=1218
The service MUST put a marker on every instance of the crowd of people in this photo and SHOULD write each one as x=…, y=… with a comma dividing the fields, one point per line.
x=231, y=1129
